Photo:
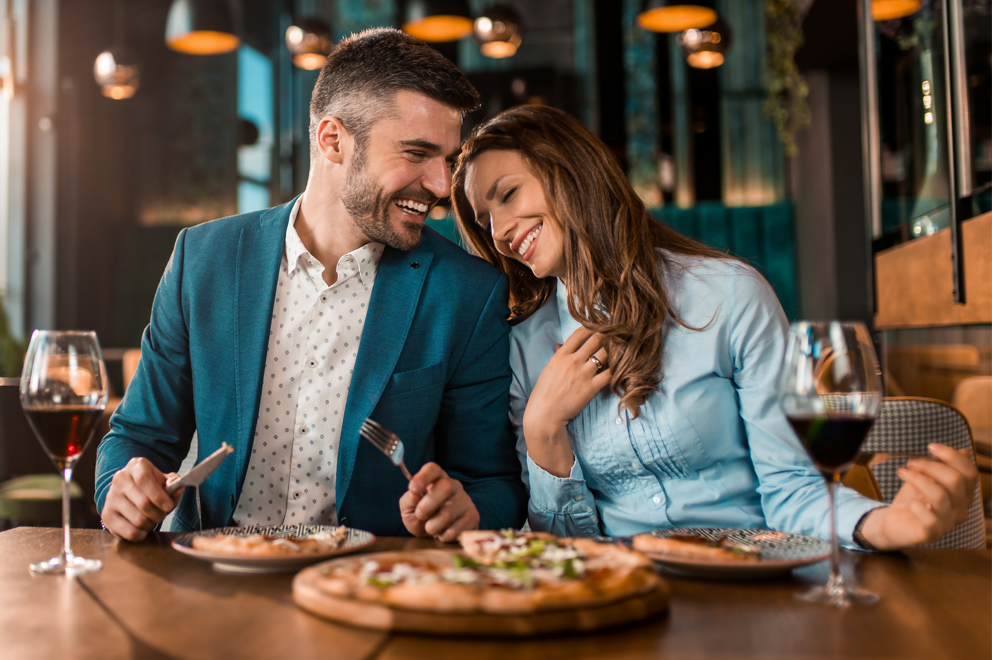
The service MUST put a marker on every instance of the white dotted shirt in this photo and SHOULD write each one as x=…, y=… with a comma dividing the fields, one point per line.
x=313, y=343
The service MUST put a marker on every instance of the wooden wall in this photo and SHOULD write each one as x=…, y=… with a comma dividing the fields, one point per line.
x=914, y=282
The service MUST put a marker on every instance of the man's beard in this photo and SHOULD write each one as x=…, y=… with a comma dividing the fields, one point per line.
x=367, y=202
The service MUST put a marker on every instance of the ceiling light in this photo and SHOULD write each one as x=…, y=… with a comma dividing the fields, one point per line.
x=887, y=10
x=498, y=32
x=309, y=41
x=663, y=16
x=116, y=69
x=116, y=72
x=704, y=48
x=437, y=20
x=202, y=27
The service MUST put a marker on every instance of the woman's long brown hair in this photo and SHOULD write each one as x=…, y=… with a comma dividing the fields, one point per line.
x=609, y=240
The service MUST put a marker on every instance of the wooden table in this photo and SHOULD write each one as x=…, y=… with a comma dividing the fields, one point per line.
x=151, y=602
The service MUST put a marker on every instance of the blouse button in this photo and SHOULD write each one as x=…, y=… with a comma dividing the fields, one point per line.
x=656, y=499
x=619, y=421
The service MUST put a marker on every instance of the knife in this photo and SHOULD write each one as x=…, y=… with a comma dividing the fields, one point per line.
x=199, y=473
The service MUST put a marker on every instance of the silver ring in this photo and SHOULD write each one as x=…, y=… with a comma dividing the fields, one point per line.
x=595, y=360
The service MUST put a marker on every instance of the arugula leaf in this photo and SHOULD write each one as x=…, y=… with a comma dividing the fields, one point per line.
x=461, y=561
x=382, y=584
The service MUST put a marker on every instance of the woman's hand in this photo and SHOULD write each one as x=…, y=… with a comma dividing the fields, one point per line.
x=566, y=385
x=934, y=498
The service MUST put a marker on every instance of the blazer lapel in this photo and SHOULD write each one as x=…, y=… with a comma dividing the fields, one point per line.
x=257, y=273
x=394, y=301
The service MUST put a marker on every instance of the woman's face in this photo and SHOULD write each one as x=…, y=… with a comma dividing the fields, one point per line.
x=511, y=203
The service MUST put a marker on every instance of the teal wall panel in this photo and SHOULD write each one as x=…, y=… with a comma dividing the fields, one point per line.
x=764, y=236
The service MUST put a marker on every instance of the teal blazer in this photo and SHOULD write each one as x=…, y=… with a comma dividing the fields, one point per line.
x=433, y=366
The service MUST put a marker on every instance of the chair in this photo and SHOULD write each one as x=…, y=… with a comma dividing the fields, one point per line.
x=129, y=364
x=973, y=397
x=909, y=424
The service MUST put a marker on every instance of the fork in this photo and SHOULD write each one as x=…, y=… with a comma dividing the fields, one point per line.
x=385, y=441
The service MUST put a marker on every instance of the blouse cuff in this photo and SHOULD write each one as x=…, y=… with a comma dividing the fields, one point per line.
x=562, y=495
x=848, y=517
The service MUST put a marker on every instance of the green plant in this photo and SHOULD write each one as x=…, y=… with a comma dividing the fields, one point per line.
x=787, y=89
x=12, y=349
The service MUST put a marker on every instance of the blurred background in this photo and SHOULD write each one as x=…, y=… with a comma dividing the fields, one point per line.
x=842, y=147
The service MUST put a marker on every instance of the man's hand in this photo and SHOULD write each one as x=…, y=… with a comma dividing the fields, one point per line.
x=137, y=501
x=934, y=498
x=437, y=505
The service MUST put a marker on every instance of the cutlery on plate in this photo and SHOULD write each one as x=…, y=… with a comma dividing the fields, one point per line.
x=385, y=441
x=199, y=472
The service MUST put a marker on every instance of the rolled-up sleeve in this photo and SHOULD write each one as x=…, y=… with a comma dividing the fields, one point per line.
x=561, y=505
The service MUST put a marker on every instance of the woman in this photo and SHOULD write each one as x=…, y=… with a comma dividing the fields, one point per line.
x=644, y=362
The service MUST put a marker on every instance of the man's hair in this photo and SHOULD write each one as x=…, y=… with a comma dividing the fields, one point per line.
x=365, y=70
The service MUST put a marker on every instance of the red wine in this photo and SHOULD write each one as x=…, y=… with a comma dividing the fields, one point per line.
x=64, y=431
x=831, y=441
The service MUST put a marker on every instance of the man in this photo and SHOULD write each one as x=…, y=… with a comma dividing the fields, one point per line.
x=280, y=331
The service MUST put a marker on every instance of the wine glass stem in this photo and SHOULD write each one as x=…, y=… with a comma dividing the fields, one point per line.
x=834, y=545
x=66, y=478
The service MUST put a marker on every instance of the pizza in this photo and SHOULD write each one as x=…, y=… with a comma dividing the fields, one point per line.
x=696, y=547
x=267, y=545
x=496, y=572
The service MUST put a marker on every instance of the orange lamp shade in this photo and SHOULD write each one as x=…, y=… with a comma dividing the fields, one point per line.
x=887, y=10
x=675, y=18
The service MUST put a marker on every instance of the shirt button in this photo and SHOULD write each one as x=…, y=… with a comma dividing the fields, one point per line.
x=578, y=498
x=619, y=421
x=635, y=466
x=656, y=499
x=303, y=430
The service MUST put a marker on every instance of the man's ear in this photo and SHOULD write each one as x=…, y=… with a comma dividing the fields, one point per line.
x=333, y=140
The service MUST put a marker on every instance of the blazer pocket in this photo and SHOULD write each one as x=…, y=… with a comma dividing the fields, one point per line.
x=405, y=382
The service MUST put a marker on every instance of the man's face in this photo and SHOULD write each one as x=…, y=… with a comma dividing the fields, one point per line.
x=403, y=170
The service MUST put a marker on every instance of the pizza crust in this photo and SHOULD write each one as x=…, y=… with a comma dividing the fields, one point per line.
x=686, y=547
x=264, y=545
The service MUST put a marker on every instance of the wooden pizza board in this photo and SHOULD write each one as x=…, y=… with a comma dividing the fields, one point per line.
x=309, y=596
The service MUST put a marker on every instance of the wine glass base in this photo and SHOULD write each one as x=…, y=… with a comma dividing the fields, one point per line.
x=72, y=566
x=838, y=596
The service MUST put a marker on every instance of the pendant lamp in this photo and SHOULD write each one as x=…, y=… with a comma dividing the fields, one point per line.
x=668, y=16
x=116, y=69
x=202, y=27
x=309, y=41
x=887, y=10
x=437, y=20
x=704, y=48
x=498, y=32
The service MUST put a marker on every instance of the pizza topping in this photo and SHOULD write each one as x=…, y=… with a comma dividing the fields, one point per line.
x=504, y=559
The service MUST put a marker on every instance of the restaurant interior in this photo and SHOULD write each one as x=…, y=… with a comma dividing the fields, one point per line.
x=100, y=169
x=841, y=147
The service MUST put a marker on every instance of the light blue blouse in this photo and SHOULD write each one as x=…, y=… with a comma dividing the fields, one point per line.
x=710, y=448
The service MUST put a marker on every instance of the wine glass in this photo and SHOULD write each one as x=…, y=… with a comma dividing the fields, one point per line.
x=64, y=394
x=831, y=391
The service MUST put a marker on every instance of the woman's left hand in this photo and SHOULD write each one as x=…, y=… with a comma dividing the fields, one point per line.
x=934, y=498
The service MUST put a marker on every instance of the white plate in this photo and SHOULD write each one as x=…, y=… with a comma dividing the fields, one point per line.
x=780, y=553
x=356, y=539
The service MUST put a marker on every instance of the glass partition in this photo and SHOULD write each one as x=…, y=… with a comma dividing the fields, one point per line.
x=933, y=88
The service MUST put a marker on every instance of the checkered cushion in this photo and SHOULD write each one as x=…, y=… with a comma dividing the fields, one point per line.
x=909, y=425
